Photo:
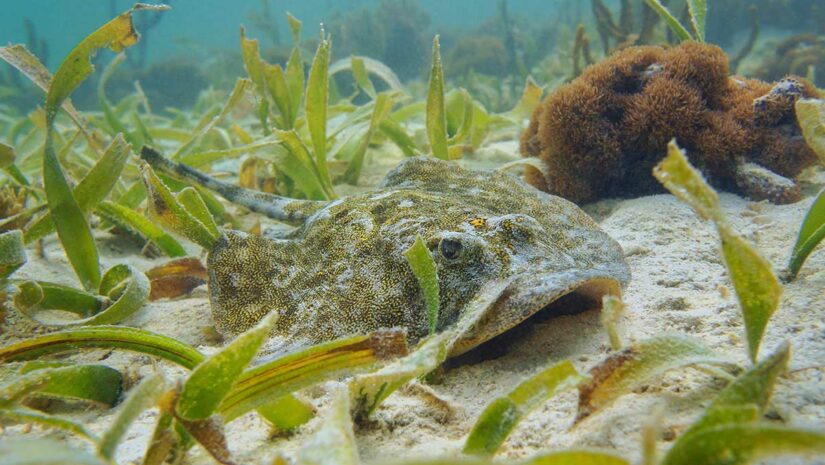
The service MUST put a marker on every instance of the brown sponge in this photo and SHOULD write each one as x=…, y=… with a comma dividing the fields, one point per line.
x=600, y=135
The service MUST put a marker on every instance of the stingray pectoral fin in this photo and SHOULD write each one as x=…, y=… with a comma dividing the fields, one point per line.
x=759, y=183
x=244, y=272
x=274, y=206
x=562, y=293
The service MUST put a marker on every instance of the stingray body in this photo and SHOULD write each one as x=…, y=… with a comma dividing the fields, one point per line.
x=342, y=269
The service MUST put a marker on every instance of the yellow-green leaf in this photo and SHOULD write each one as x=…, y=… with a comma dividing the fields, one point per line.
x=165, y=208
x=253, y=63
x=612, y=310
x=687, y=183
x=165, y=439
x=744, y=443
x=7, y=156
x=35, y=295
x=99, y=384
x=530, y=99
x=577, y=457
x=334, y=442
x=810, y=235
x=315, y=107
x=44, y=451
x=260, y=385
x=23, y=60
x=21, y=386
x=191, y=200
x=287, y=413
x=436, y=120
x=69, y=219
x=212, y=380
x=639, y=363
x=423, y=267
x=294, y=27
x=295, y=82
x=12, y=253
x=464, y=129
x=130, y=220
x=99, y=181
x=109, y=113
x=93, y=188
x=698, y=10
x=207, y=157
x=117, y=34
x=279, y=91
x=810, y=113
x=747, y=396
x=106, y=337
x=681, y=32
x=368, y=390
x=142, y=397
x=92, y=383
x=370, y=67
x=237, y=95
x=255, y=68
x=23, y=415
x=382, y=106
x=298, y=164
x=127, y=287
x=398, y=135
x=501, y=416
x=757, y=288
x=359, y=72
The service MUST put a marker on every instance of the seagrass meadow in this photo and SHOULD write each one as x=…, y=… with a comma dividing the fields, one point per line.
x=412, y=232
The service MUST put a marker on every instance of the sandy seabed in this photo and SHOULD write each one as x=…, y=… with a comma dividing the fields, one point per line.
x=679, y=285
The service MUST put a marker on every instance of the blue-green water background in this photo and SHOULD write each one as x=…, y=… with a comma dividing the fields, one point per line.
x=214, y=24
x=195, y=45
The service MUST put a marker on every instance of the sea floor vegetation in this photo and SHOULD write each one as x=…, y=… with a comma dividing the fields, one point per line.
x=109, y=353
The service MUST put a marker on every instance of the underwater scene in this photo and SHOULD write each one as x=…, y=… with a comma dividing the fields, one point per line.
x=530, y=232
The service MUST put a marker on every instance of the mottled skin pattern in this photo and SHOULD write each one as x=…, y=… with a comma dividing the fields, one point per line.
x=343, y=271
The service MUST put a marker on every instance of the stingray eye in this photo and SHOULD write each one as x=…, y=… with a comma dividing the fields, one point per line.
x=450, y=248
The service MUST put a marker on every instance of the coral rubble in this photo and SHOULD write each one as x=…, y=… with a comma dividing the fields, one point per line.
x=601, y=134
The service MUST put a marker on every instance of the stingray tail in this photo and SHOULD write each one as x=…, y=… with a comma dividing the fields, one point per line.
x=274, y=206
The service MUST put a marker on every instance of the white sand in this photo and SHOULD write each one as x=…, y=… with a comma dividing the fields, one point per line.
x=679, y=285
